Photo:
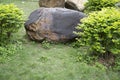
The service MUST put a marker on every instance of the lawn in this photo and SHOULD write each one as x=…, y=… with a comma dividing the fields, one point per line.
x=58, y=62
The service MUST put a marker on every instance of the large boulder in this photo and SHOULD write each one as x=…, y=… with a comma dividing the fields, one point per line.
x=51, y=3
x=70, y=4
x=53, y=24
x=75, y=4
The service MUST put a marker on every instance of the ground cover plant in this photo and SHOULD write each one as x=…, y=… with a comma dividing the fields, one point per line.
x=46, y=61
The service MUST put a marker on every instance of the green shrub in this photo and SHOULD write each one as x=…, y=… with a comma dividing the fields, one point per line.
x=96, y=5
x=101, y=31
x=10, y=20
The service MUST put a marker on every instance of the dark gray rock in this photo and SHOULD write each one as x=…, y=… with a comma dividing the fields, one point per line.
x=53, y=24
x=75, y=4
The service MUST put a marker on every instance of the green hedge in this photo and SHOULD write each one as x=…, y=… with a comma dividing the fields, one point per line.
x=101, y=31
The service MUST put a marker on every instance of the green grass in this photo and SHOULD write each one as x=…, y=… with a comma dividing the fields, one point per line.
x=34, y=62
x=56, y=63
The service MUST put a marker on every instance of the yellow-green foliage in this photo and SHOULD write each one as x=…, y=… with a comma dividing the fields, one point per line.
x=96, y=5
x=10, y=20
x=101, y=31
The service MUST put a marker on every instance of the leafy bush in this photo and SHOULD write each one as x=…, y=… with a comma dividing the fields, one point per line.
x=101, y=31
x=96, y=5
x=10, y=20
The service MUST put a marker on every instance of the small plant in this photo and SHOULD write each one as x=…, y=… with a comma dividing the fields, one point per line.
x=43, y=59
x=101, y=32
x=11, y=20
x=75, y=44
x=90, y=60
x=46, y=44
x=86, y=58
x=9, y=50
x=116, y=67
x=96, y=5
x=100, y=66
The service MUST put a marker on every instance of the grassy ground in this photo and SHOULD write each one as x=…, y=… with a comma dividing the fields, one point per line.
x=57, y=63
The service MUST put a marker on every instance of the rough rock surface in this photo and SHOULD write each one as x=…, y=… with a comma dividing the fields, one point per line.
x=75, y=4
x=70, y=4
x=53, y=24
x=51, y=3
x=117, y=4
